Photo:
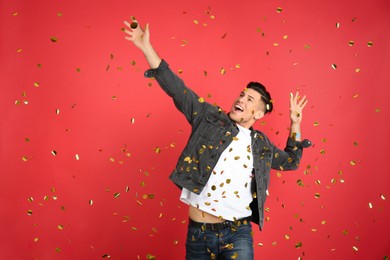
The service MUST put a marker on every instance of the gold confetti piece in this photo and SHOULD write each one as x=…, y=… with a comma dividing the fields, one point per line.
x=106, y=256
x=196, y=22
x=279, y=10
x=353, y=163
x=201, y=100
x=90, y=202
x=334, y=66
x=77, y=157
x=150, y=257
x=157, y=149
x=370, y=205
x=355, y=248
x=36, y=239
x=53, y=39
x=175, y=242
x=184, y=43
x=29, y=212
x=58, y=250
x=15, y=13
x=59, y=14
x=300, y=183
x=57, y=111
x=19, y=50
x=351, y=43
x=234, y=256
x=287, y=237
x=317, y=195
x=370, y=43
x=316, y=123
x=377, y=110
x=357, y=70
x=78, y=69
x=383, y=197
x=60, y=227
x=24, y=158
x=116, y=195
x=36, y=84
x=276, y=44
x=54, y=152
x=337, y=25
x=298, y=245
x=222, y=71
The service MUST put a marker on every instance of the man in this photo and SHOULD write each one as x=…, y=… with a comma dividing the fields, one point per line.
x=223, y=171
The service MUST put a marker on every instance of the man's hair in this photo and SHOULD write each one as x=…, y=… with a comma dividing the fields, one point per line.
x=265, y=95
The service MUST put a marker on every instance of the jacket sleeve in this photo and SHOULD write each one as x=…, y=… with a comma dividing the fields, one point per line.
x=290, y=157
x=185, y=100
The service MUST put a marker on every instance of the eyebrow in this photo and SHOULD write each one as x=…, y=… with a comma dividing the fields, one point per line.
x=251, y=97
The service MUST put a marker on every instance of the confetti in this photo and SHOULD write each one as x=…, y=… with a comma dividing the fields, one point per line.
x=383, y=197
x=29, y=212
x=279, y=9
x=337, y=25
x=351, y=43
x=53, y=39
x=90, y=202
x=334, y=66
x=36, y=84
x=54, y=152
x=298, y=245
x=370, y=43
x=77, y=157
x=201, y=100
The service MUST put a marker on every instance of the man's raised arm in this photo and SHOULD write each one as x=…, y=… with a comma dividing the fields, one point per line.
x=141, y=39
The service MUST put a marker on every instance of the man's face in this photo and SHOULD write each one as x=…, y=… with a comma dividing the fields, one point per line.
x=247, y=108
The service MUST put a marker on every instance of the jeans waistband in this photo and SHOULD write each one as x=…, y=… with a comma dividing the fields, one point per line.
x=219, y=226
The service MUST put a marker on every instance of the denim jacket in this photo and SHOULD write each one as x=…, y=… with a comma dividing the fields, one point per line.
x=212, y=132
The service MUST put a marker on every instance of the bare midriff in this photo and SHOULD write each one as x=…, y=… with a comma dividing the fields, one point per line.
x=203, y=217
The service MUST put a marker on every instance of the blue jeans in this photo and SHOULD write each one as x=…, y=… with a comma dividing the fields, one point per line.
x=231, y=242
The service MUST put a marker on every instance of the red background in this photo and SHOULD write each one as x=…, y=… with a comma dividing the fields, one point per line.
x=87, y=143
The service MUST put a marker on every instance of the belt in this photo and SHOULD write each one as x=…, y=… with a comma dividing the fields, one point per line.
x=220, y=226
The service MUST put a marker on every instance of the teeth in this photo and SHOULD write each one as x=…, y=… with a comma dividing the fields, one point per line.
x=238, y=107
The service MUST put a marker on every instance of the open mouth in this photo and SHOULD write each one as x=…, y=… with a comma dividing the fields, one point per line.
x=238, y=108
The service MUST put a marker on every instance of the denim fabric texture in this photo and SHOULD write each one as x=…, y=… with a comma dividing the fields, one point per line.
x=232, y=242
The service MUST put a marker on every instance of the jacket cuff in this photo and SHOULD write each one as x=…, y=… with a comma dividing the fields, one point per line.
x=151, y=73
x=300, y=144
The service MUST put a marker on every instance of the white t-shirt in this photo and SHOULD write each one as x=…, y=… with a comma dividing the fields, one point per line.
x=227, y=193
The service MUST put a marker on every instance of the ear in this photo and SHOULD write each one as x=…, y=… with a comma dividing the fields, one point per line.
x=258, y=114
